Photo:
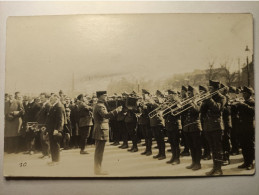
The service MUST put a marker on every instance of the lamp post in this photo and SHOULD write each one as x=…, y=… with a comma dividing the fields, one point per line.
x=247, y=67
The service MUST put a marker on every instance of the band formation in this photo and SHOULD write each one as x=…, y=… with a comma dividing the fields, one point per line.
x=210, y=122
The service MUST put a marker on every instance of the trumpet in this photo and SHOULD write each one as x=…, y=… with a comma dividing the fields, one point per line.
x=236, y=100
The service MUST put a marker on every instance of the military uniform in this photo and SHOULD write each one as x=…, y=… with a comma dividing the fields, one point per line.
x=101, y=132
x=211, y=112
x=131, y=126
x=246, y=133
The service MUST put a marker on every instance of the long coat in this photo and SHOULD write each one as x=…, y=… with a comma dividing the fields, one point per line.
x=13, y=123
x=85, y=115
x=101, y=121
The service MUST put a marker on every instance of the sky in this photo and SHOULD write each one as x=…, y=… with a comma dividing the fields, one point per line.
x=43, y=52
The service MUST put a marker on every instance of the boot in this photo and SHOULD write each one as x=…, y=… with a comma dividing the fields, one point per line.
x=190, y=166
x=135, y=149
x=215, y=172
x=144, y=153
x=131, y=149
x=171, y=160
x=157, y=156
x=148, y=153
x=196, y=167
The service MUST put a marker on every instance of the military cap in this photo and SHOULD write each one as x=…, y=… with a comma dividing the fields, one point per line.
x=159, y=93
x=248, y=90
x=100, y=93
x=190, y=88
x=144, y=91
x=232, y=89
x=170, y=92
x=215, y=84
x=133, y=92
x=184, y=88
x=203, y=88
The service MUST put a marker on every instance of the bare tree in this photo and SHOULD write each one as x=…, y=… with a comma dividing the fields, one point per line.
x=227, y=74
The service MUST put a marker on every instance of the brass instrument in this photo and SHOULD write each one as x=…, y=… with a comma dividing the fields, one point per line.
x=236, y=100
x=162, y=108
x=199, y=99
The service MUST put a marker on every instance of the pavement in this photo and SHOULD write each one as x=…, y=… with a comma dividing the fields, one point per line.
x=117, y=162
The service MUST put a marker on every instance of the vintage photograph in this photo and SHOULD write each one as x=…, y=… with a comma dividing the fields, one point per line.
x=129, y=95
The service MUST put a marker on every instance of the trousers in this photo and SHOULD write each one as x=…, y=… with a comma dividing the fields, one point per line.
x=98, y=155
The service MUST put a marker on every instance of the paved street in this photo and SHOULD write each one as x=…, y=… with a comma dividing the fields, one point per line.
x=117, y=162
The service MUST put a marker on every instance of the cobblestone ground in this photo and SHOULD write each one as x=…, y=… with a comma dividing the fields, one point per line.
x=117, y=162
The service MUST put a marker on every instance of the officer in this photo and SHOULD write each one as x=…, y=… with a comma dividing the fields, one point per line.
x=101, y=129
x=246, y=133
x=212, y=109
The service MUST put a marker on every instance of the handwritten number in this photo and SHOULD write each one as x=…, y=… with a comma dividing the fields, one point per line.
x=23, y=164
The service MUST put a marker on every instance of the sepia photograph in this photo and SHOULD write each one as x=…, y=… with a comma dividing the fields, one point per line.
x=129, y=96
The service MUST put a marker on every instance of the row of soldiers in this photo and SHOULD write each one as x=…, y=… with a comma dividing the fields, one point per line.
x=210, y=124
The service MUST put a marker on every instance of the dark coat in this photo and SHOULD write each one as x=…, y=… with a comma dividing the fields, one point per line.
x=156, y=120
x=13, y=122
x=191, y=119
x=85, y=115
x=56, y=118
x=172, y=123
x=43, y=113
x=101, y=121
x=247, y=114
x=211, y=113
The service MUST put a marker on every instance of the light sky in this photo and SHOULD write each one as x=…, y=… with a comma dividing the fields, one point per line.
x=44, y=51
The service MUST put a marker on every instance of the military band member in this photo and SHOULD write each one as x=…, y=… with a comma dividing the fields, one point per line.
x=144, y=126
x=131, y=126
x=54, y=124
x=184, y=143
x=234, y=92
x=204, y=142
x=85, y=121
x=192, y=129
x=212, y=110
x=156, y=124
x=227, y=127
x=246, y=133
x=173, y=126
x=101, y=129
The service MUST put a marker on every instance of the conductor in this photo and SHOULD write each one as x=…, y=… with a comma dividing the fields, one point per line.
x=101, y=129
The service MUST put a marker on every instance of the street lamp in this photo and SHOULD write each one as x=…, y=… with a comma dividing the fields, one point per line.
x=247, y=68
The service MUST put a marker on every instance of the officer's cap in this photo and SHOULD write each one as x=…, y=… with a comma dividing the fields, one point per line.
x=232, y=89
x=144, y=91
x=184, y=88
x=171, y=92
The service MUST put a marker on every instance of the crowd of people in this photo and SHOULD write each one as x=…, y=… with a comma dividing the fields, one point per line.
x=210, y=122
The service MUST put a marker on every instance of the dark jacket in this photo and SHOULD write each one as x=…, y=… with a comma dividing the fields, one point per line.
x=191, y=119
x=56, y=118
x=43, y=113
x=85, y=115
x=247, y=114
x=211, y=113
x=156, y=120
x=173, y=123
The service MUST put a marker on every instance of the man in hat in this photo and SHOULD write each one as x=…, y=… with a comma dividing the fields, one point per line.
x=211, y=112
x=101, y=129
x=173, y=126
x=246, y=133
x=233, y=92
x=204, y=142
x=184, y=143
x=192, y=128
x=54, y=124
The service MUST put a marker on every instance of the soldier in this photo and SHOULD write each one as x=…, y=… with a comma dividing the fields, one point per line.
x=74, y=116
x=101, y=129
x=184, y=143
x=156, y=124
x=192, y=129
x=85, y=121
x=55, y=124
x=246, y=133
x=121, y=124
x=204, y=142
x=144, y=126
x=227, y=127
x=173, y=126
x=234, y=92
x=131, y=127
x=212, y=109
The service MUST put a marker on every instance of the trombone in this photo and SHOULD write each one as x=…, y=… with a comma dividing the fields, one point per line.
x=161, y=109
x=204, y=96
